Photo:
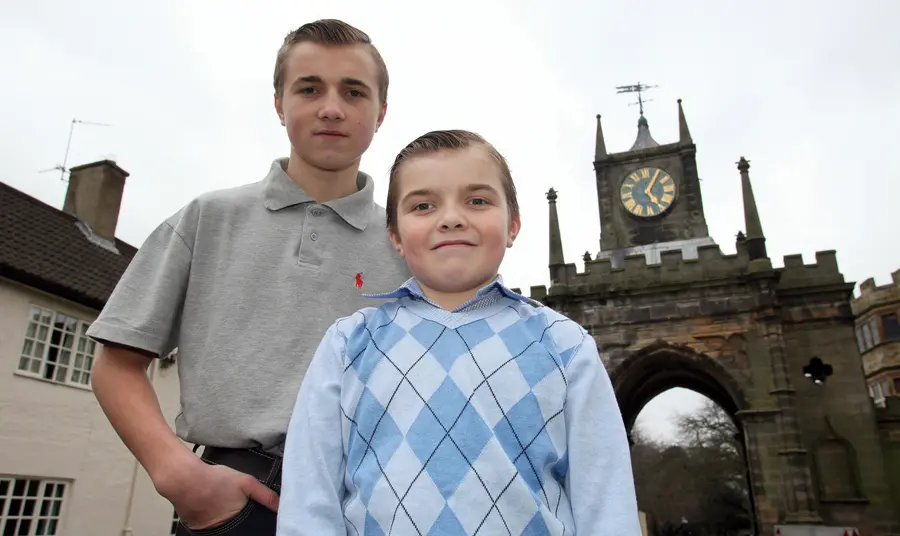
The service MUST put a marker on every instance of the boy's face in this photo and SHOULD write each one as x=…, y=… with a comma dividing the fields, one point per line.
x=330, y=103
x=453, y=225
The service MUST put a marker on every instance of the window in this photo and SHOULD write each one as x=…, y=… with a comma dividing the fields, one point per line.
x=867, y=336
x=30, y=507
x=859, y=341
x=897, y=385
x=877, y=395
x=890, y=326
x=886, y=388
x=876, y=335
x=56, y=348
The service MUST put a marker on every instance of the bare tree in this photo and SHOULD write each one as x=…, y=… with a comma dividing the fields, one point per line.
x=711, y=437
x=709, y=428
x=666, y=490
x=702, y=478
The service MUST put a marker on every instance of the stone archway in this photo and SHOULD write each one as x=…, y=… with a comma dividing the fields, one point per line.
x=660, y=366
x=642, y=375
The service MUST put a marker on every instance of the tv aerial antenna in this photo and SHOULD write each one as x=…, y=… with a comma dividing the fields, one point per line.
x=62, y=168
x=638, y=88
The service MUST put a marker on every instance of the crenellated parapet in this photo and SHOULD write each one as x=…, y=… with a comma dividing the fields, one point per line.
x=795, y=274
x=709, y=266
x=871, y=295
x=636, y=272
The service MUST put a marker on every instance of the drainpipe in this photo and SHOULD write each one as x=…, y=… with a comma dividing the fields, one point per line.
x=127, y=530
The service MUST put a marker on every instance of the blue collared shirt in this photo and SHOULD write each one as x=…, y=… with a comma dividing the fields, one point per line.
x=487, y=295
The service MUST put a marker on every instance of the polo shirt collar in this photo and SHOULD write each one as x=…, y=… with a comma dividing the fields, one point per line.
x=280, y=192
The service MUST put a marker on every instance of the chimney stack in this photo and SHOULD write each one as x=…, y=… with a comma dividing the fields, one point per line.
x=95, y=196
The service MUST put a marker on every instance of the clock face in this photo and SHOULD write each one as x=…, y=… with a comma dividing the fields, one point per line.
x=648, y=192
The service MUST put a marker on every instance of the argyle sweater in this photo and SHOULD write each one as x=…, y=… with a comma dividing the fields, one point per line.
x=496, y=418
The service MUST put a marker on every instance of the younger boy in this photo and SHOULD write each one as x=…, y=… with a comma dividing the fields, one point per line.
x=460, y=407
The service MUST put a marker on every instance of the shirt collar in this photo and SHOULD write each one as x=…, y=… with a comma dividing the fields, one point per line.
x=410, y=288
x=282, y=192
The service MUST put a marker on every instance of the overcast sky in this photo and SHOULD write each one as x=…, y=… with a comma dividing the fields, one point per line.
x=803, y=89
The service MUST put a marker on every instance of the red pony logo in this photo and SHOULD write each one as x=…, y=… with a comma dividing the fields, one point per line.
x=359, y=281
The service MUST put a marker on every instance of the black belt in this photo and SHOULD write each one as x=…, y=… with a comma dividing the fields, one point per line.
x=257, y=463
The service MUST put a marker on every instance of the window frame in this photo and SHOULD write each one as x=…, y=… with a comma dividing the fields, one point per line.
x=867, y=335
x=51, y=515
x=860, y=343
x=876, y=333
x=56, y=344
x=895, y=335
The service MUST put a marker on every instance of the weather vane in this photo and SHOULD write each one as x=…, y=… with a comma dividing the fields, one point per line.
x=638, y=88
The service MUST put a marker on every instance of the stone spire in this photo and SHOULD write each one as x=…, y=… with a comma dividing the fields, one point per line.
x=600, y=147
x=683, y=131
x=556, y=250
x=756, y=241
x=644, y=139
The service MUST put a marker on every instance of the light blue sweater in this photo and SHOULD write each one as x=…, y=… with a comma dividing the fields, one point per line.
x=497, y=418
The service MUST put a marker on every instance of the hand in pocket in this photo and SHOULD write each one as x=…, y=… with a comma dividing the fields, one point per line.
x=209, y=495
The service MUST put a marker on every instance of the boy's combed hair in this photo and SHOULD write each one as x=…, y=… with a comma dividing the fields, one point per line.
x=329, y=32
x=448, y=140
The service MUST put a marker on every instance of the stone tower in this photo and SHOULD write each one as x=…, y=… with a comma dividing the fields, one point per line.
x=649, y=196
x=774, y=347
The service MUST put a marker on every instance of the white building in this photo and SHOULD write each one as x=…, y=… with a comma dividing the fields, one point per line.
x=63, y=470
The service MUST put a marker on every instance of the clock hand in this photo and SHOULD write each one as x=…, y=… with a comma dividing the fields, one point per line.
x=650, y=186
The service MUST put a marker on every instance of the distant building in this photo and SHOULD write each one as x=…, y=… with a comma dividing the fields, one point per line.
x=876, y=312
x=63, y=470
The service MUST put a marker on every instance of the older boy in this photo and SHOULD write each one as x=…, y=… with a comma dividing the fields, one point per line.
x=243, y=282
x=460, y=407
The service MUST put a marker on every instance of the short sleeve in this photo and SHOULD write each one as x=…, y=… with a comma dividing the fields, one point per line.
x=144, y=310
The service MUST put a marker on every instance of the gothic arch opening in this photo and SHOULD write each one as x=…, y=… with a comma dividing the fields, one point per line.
x=662, y=366
x=679, y=473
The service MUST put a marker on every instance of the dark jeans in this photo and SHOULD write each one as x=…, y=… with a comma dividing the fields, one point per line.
x=254, y=519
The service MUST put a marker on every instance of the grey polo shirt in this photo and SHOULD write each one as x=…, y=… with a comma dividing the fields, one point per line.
x=245, y=282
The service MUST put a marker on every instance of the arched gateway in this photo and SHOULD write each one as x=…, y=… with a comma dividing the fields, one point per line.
x=660, y=366
x=641, y=376
x=668, y=308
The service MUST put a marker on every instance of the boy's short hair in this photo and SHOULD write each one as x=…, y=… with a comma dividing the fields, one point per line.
x=329, y=32
x=448, y=140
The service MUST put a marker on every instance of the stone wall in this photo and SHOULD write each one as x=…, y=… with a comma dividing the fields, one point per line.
x=742, y=337
x=889, y=427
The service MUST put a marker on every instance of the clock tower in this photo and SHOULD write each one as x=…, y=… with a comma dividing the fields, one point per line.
x=649, y=196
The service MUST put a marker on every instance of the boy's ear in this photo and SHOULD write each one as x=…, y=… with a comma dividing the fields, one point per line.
x=381, y=115
x=514, y=227
x=279, y=110
x=395, y=241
